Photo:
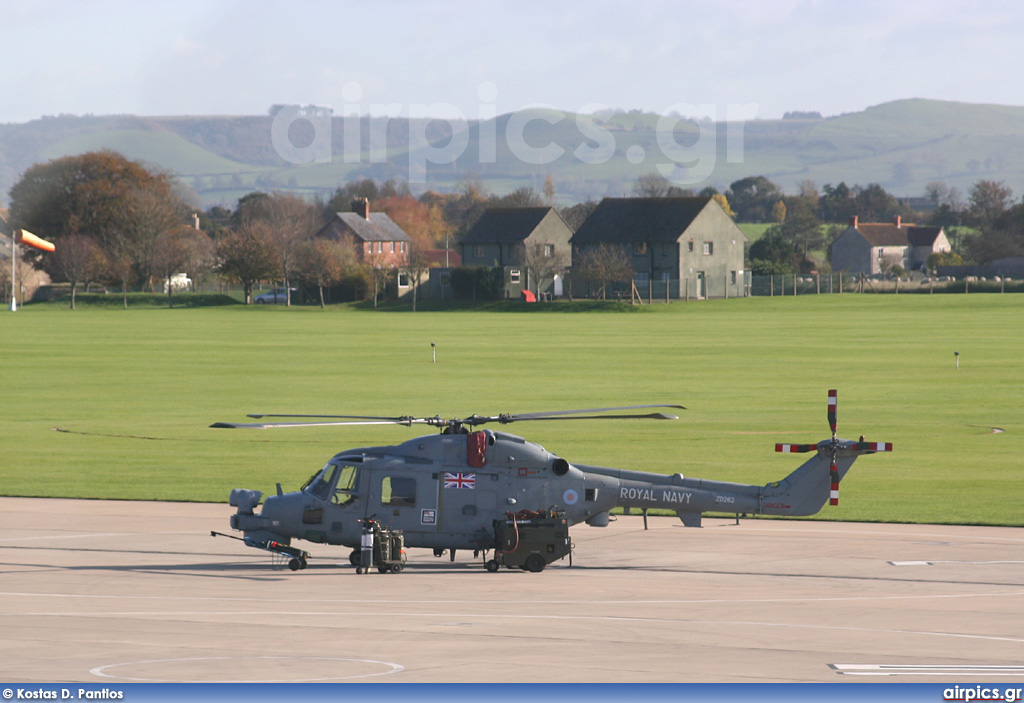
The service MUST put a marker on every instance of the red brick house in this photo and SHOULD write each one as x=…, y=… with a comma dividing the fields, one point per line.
x=375, y=235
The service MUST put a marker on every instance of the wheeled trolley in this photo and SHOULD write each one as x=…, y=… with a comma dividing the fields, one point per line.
x=381, y=547
x=282, y=554
x=530, y=540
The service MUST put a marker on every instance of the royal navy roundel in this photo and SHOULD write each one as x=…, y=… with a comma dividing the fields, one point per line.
x=570, y=497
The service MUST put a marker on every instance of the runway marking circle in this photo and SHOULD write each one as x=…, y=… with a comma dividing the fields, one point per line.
x=267, y=669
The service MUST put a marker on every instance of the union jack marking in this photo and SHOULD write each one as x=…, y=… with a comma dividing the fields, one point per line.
x=459, y=480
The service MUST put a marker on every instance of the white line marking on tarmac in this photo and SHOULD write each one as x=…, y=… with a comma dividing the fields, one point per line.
x=951, y=561
x=959, y=670
x=321, y=617
x=395, y=668
x=531, y=601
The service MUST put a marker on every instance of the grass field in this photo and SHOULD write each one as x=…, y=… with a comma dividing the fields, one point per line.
x=113, y=403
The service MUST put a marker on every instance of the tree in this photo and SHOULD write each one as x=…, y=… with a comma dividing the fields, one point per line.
x=874, y=204
x=341, y=200
x=419, y=265
x=753, y=198
x=247, y=255
x=170, y=253
x=801, y=226
x=120, y=203
x=542, y=261
x=413, y=216
x=987, y=200
x=773, y=253
x=520, y=197
x=577, y=214
x=1003, y=239
x=291, y=221
x=460, y=210
x=377, y=274
x=323, y=262
x=836, y=204
x=724, y=203
x=78, y=259
x=655, y=185
x=549, y=189
x=779, y=212
x=200, y=254
x=603, y=265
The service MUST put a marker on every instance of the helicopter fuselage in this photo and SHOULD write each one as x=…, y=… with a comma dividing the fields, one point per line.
x=445, y=492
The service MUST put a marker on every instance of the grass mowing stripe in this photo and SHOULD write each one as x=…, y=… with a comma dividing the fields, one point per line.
x=751, y=371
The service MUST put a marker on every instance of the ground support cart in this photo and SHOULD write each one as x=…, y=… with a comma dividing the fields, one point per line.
x=381, y=547
x=530, y=540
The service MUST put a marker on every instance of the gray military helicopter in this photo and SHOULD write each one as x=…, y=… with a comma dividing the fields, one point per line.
x=485, y=490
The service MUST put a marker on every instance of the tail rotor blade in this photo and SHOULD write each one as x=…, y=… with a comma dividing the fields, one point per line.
x=795, y=448
x=833, y=402
x=833, y=496
x=835, y=448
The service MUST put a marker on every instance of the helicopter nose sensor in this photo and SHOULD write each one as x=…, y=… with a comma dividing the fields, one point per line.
x=245, y=500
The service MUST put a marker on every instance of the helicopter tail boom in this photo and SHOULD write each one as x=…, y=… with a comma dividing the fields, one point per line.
x=806, y=490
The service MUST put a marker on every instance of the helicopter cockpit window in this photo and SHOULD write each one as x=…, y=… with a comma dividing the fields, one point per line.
x=398, y=491
x=333, y=482
x=344, y=491
x=320, y=483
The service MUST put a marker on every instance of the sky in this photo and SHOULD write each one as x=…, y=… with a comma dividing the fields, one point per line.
x=725, y=59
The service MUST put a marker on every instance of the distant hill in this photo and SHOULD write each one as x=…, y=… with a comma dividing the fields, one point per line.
x=902, y=145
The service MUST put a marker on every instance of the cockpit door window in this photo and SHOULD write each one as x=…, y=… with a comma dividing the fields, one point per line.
x=398, y=491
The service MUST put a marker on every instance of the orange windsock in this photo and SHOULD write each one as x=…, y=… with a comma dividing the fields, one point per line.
x=26, y=237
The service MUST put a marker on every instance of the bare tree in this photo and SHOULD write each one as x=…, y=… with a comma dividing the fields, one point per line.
x=200, y=255
x=542, y=261
x=170, y=253
x=603, y=265
x=377, y=274
x=292, y=221
x=78, y=259
x=419, y=266
x=142, y=218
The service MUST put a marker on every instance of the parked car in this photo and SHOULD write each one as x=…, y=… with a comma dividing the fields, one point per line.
x=277, y=296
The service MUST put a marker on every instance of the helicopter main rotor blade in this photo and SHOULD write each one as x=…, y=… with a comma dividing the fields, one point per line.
x=279, y=425
x=403, y=418
x=647, y=416
x=438, y=421
x=506, y=418
x=553, y=413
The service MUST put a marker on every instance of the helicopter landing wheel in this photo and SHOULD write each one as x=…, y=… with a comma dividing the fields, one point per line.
x=384, y=568
x=491, y=565
x=296, y=564
x=534, y=563
x=355, y=558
